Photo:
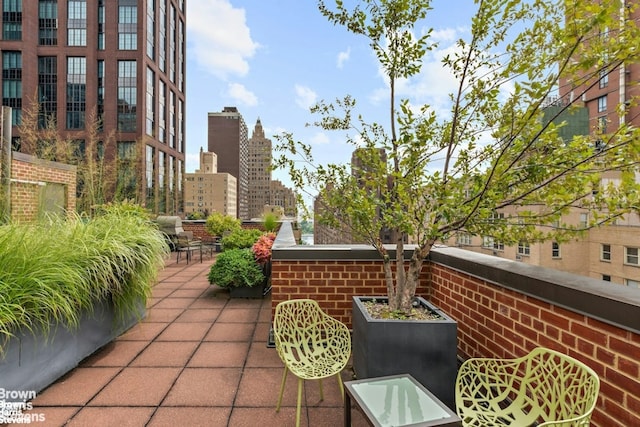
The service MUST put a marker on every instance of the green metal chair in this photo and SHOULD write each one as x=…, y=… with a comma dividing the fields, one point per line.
x=311, y=344
x=544, y=387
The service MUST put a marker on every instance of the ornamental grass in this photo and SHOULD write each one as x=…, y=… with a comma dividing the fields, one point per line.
x=54, y=270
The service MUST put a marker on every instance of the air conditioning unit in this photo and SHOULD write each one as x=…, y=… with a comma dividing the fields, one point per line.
x=518, y=257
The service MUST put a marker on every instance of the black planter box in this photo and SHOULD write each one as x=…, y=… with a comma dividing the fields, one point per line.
x=32, y=361
x=247, y=291
x=426, y=349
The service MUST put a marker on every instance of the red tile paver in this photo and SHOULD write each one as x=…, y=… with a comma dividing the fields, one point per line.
x=199, y=358
x=137, y=387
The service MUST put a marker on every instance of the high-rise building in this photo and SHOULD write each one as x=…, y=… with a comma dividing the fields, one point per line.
x=120, y=62
x=259, y=171
x=228, y=138
x=207, y=191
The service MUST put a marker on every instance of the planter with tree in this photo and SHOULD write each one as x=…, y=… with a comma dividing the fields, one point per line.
x=494, y=160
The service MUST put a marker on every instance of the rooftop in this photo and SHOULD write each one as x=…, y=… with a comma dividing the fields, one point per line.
x=198, y=358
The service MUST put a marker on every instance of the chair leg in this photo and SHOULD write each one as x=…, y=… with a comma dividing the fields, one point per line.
x=321, y=390
x=300, y=382
x=284, y=379
x=340, y=385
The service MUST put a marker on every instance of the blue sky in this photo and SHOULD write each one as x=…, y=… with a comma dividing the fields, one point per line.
x=273, y=59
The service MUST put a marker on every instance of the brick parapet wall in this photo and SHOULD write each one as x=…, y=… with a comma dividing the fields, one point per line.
x=494, y=321
x=28, y=174
x=503, y=309
x=333, y=283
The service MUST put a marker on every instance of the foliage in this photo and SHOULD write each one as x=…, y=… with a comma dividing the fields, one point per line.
x=97, y=178
x=262, y=248
x=240, y=239
x=218, y=224
x=270, y=222
x=52, y=270
x=236, y=267
x=195, y=215
x=492, y=161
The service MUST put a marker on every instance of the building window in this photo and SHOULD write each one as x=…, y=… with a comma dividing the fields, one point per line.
x=172, y=119
x=100, y=106
x=630, y=255
x=172, y=44
x=12, y=83
x=151, y=99
x=632, y=283
x=162, y=112
x=604, y=78
x=162, y=176
x=127, y=24
x=180, y=127
x=151, y=29
x=606, y=277
x=162, y=36
x=77, y=23
x=605, y=252
x=101, y=25
x=463, y=239
x=584, y=220
x=47, y=91
x=180, y=60
x=555, y=250
x=76, y=91
x=126, y=164
x=602, y=104
x=12, y=20
x=127, y=96
x=150, y=174
x=490, y=243
x=524, y=248
x=48, y=22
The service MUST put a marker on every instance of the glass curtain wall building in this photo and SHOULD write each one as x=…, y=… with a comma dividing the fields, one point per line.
x=118, y=65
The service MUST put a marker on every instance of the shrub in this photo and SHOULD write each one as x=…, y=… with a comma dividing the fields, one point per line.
x=218, y=224
x=240, y=239
x=262, y=248
x=270, y=223
x=236, y=267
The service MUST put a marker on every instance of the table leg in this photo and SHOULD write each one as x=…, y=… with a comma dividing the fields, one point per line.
x=347, y=410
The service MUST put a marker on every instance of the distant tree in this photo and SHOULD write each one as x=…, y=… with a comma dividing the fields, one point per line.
x=491, y=149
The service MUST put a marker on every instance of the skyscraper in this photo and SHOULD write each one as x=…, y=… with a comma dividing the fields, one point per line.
x=228, y=138
x=259, y=172
x=119, y=61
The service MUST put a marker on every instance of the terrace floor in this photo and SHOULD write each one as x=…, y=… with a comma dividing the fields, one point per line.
x=199, y=358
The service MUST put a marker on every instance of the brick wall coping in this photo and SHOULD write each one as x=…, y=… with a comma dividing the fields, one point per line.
x=27, y=158
x=610, y=303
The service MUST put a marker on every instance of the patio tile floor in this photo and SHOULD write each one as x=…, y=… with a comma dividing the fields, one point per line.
x=199, y=358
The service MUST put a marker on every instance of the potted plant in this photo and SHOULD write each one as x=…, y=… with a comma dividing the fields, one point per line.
x=238, y=271
x=491, y=160
x=70, y=286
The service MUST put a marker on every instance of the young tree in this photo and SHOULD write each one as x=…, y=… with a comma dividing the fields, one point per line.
x=497, y=148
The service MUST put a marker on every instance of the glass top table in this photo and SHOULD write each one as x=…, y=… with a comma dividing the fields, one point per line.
x=396, y=400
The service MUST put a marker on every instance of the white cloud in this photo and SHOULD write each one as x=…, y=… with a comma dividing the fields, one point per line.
x=343, y=57
x=320, y=138
x=219, y=38
x=305, y=96
x=241, y=94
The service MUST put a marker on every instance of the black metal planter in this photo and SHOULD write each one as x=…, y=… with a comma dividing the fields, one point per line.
x=426, y=349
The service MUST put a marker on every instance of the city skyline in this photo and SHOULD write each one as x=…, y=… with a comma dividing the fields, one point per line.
x=273, y=66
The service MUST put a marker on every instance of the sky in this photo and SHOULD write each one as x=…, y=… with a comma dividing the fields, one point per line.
x=273, y=59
